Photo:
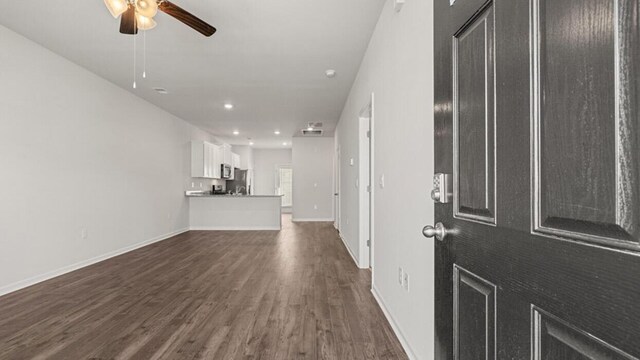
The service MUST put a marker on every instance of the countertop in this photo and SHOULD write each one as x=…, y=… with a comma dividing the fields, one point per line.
x=208, y=194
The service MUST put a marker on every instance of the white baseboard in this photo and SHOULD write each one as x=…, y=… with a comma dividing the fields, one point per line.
x=67, y=269
x=234, y=228
x=394, y=325
x=355, y=259
x=313, y=220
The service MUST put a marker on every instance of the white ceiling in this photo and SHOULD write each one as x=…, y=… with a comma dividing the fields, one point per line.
x=268, y=58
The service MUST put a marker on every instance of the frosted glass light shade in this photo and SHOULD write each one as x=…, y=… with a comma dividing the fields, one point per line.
x=147, y=8
x=116, y=7
x=145, y=23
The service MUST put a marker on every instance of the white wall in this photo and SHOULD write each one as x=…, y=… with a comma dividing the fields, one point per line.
x=313, y=178
x=264, y=166
x=78, y=152
x=398, y=68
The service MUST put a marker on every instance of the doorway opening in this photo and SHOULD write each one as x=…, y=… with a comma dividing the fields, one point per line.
x=336, y=194
x=284, y=186
x=365, y=188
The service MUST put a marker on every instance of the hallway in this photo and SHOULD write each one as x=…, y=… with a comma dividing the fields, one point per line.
x=207, y=295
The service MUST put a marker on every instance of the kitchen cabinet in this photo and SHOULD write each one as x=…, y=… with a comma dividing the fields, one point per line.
x=205, y=160
x=217, y=161
x=235, y=164
x=227, y=154
x=235, y=161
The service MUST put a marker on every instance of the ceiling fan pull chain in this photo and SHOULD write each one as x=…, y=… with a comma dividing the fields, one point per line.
x=144, y=54
x=134, y=61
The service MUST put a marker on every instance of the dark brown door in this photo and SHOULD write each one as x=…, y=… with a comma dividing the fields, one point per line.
x=538, y=121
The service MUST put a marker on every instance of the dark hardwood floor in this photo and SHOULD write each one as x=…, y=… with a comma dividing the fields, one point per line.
x=294, y=294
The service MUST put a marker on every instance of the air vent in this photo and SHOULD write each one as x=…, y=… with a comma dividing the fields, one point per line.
x=314, y=132
x=315, y=124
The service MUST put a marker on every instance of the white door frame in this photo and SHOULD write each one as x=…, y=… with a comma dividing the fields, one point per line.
x=365, y=174
x=336, y=187
x=372, y=182
x=285, y=209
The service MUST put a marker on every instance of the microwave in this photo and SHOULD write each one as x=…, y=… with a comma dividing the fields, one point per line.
x=226, y=171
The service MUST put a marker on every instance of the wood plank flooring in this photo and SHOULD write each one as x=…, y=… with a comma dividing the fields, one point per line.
x=293, y=294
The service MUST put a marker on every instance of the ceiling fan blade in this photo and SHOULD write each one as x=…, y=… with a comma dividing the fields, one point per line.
x=185, y=17
x=128, y=23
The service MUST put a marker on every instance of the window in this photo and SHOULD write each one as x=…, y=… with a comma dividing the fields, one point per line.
x=284, y=184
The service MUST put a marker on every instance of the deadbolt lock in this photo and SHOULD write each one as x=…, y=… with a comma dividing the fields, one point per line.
x=442, y=188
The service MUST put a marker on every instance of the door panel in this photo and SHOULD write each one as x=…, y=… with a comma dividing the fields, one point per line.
x=581, y=123
x=473, y=127
x=537, y=108
x=474, y=316
x=555, y=339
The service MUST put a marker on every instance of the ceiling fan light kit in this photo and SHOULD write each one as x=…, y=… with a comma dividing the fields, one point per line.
x=147, y=8
x=116, y=7
x=145, y=23
x=139, y=14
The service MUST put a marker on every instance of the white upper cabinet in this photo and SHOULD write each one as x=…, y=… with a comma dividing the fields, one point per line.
x=205, y=160
x=228, y=157
x=235, y=161
x=217, y=162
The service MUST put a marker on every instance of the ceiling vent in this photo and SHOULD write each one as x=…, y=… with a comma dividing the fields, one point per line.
x=314, y=132
x=315, y=124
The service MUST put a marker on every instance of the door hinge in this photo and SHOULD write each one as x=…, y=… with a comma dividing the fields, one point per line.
x=369, y=188
x=369, y=134
x=368, y=243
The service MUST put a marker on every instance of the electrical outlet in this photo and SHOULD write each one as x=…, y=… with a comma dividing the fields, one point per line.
x=200, y=185
x=347, y=221
x=382, y=181
x=315, y=207
x=84, y=234
x=193, y=185
x=400, y=276
x=168, y=216
x=405, y=282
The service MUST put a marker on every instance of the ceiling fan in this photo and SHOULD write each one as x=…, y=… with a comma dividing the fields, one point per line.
x=138, y=14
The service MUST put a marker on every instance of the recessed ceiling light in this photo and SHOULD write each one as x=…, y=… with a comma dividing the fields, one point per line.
x=277, y=132
x=284, y=144
x=330, y=73
x=251, y=143
x=236, y=132
x=228, y=106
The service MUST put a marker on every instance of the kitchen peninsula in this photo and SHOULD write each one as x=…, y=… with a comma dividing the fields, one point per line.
x=234, y=212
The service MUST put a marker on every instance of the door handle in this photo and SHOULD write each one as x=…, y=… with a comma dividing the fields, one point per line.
x=438, y=231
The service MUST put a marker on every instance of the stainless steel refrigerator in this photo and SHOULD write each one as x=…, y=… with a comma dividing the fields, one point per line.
x=241, y=182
